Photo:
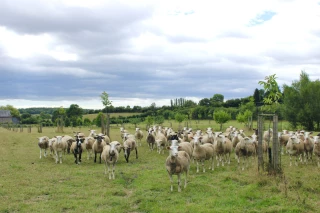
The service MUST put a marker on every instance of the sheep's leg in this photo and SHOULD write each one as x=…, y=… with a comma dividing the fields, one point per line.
x=45, y=153
x=88, y=154
x=136, y=153
x=296, y=161
x=171, y=181
x=56, y=156
x=179, y=182
x=60, y=156
x=105, y=168
x=110, y=171
x=212, y=163
x=203, y=169
x=186, y=177
x=40, y=153
x=228, y=158
x=222, y=160
x=95, y=157
x=290, y=160
x=113, y=170
x=197, y=166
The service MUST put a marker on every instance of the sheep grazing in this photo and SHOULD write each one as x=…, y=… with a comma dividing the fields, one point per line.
x=43, y=144
x=177, y=162
x=76, y=148
x=110, y=155
x=244, y=149
x=223, y=148
x=128, y=145
x=139, y=135
x=295, y=147
x=151, y=139
x=97, y=146
x=161, y=142
x=316, y=148
x=202, y=152
x=59, y=146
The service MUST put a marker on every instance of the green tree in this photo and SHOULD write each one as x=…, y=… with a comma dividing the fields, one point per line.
x=13, y=111
x=86, y=122
x=217, y=100
x=179, y=117
x=135, y=121
x=149, y=120
x=221, y=117
x=302, y=102
x=98, y=119
x=159, y=120
x=271, y=88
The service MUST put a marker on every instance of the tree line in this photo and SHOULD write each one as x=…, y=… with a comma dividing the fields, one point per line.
x=298, y=103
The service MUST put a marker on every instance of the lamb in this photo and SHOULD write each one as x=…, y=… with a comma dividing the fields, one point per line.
x=128, y=145
x=295, y=147
x=316, y=148
x=151, y=139
x=223, y=148
x=43, y=145
x=59, y=146
x=177, y=162
x=138, y=135
x=244, y=149
x=97, y=146
x=161, y=142
x=202, y=152
x=110, y=155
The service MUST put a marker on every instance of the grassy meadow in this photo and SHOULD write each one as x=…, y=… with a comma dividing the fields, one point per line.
x=30, y=184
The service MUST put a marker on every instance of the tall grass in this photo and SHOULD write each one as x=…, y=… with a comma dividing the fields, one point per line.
x=30, y=184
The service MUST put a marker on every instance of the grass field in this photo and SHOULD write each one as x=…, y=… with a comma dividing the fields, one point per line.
x=30, y=184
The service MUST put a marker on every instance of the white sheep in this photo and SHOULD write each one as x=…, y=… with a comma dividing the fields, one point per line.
x=177, y=162
x=43, y=144
x=151, y=139
x=59, y=146
x=316, y=148
x=88, y=143
x=97, y=146
x=295, y=147
x=110, y=155
x=161, y=141
x=223, y=148
x=202, y=152
x=308, y=146
x=139, y=135
x=244, y=149
x=128, y=145
x=92, y=133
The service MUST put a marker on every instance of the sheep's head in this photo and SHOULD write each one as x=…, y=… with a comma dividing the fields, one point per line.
x=173, y=150
x=196, y=140
x=59, y=139
x=99, y=138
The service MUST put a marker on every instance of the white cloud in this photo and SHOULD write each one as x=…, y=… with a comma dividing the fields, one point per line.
x=158, y=50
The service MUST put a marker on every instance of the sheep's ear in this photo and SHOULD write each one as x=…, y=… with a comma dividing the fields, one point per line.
x=168, y=148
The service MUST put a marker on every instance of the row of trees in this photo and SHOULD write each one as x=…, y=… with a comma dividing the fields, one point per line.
x=298, y=103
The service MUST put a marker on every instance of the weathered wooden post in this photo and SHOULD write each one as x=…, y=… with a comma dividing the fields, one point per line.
x=260, y=151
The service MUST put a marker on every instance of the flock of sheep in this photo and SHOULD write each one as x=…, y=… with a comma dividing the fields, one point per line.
x=184, y=146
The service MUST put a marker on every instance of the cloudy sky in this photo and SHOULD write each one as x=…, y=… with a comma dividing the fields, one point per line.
x=61, y=52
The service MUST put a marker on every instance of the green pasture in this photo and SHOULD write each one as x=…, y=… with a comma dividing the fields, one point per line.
x=29, y=184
